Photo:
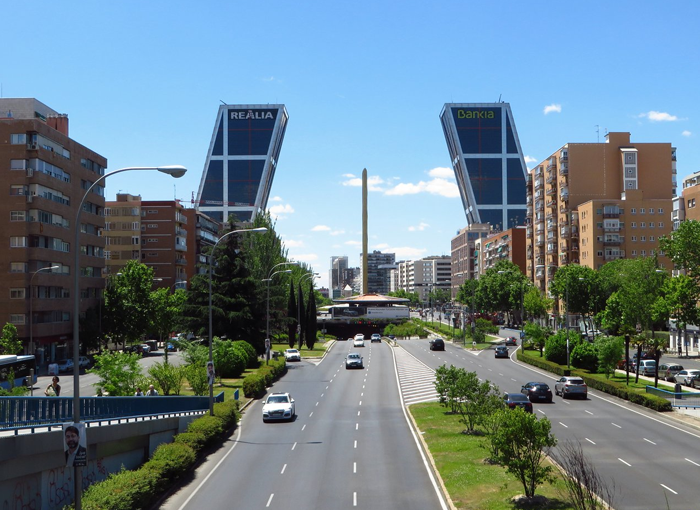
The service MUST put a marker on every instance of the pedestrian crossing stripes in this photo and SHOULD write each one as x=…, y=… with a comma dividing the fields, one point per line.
x=416, y=379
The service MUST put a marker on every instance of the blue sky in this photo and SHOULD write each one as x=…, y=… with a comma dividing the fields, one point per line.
x=364, y=83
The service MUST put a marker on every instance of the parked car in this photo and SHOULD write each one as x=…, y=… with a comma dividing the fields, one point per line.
x=292, y=355
x=145, y=349
x=83, y=362
x=501, y=351
x=376, y=337
x=511, y=340
x=513, y=400
x=65, y=365
x=695, y=382
x=278, y=406
x=537, y=392
x=354, y=360
x=568, y=386
x=437, y=344
x=685, y=376
x=669, y=370
x=171, y=347
x=647, y=367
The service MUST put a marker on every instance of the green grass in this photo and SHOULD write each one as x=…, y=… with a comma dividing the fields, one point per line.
x=460, y=459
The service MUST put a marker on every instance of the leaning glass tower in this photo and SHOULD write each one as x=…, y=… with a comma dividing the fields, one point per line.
x=241, y=161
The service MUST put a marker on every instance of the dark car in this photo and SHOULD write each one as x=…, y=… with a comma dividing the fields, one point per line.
x=501, y=351
x=511, y=341
x=513, y=400
x=437, y=344
x=537, y=392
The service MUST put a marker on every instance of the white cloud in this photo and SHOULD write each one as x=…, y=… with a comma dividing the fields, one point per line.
x=276, y=199
x=686, y=133
x=380, y=246
x=552, y=108
x=306, y=257
x=442, y=173
x=441, y=187
x=530, y=159
x=320, y=228
x=349, y=176
x=659, y=116
x=420, y=226
x=337, y=232
x=373, y=182
x=406, y=252
x=290, y=243
x=280, y=211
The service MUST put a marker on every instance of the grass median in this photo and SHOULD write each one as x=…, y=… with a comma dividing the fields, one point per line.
x=469, y=479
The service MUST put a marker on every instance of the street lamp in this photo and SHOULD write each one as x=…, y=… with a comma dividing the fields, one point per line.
x=31, y=298
x=211, y=259
x=267, y=325
x=173, y=170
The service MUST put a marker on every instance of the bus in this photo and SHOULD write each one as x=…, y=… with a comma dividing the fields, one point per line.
x=23, y=367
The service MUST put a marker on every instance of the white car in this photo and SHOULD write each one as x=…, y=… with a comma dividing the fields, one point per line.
x=278, y=406
x=358, y=342
x=292, y=355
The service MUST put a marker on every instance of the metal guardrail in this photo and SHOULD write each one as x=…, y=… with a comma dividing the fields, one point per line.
x=37, y=411
x=679, y=399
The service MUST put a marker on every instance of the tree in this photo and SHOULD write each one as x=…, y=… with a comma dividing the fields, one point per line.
x=522, y=442
x=579, y=284
x=536, y=335
x=119, y=373
x=10, y=342
x=535, y=303
x=292, y=316
x=310, y=317
x=682, y=246
x=585, y=355
x=462, y=392
x=555, y=346
x=165, y=309
x=167, y=377
x=300, y=315
x=610, y=352
x=679, y=302
x=585, y=488
x=414, y=299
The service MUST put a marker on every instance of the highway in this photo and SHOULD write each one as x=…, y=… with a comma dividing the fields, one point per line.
x=350, y=446
x=651, y=457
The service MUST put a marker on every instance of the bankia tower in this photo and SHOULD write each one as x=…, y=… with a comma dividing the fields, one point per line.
x=488, y=162
x=241, y=161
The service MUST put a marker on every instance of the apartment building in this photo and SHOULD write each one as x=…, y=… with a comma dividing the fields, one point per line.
x=423, y=275
x=507, y=245
x=606, y=181
x=203, y=234
x=46, y=175
x=463, y=250
x=379, y=266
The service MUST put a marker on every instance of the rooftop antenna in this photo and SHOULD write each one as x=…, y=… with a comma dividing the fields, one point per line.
x=223, y=103
x=174, y=192
x=597, y=130
x=499, y=97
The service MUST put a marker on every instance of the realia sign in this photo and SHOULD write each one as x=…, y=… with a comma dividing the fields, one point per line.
x=252, y=114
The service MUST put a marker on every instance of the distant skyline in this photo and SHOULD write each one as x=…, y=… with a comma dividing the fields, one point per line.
x=364, y=84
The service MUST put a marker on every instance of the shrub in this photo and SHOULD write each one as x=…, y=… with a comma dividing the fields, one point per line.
x=230, y=361
x=253, y=386
x=197, y=377
x=252, y=356
x=124, y=490
x=208, y=426
x=585, y=356
x=172, y=459
x=228, y=412
x=194, y=440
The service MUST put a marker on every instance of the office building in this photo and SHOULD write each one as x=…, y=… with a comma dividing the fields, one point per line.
x=488, y=162
x=423, y=276
x=590, y=203
x=337, y=277
x=241, y=161
x=46, y=175
x=463, y=251
x=379, y=266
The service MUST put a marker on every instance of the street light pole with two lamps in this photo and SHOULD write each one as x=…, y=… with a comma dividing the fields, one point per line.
x=268, y=342
x=31, y=307
x=174, y=171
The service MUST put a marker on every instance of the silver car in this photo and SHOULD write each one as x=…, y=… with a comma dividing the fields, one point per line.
x=569, y=386
x=685, y=376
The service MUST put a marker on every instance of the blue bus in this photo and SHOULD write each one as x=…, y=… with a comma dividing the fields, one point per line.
x=23, y=367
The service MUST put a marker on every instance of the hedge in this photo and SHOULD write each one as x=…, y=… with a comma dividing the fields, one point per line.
x=254, y=384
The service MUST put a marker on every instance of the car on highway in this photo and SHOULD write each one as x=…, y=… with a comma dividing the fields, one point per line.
x=358, y=342
x=501, y=351
x=278, y=406
x=669, y=370
x=515, y=400
x=376, y=337
x=292, y=355
x=65, y=365
x=437, y=344
x=354, y=360
x=511, y=340
x=684, y=376
x=537, y=392
x=569, y=386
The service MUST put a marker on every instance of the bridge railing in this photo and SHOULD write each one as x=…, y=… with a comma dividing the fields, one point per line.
x=35, y=411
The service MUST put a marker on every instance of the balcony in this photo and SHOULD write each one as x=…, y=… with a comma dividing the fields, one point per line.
x=552, y=225
x=613, y=241
x=529, y=232
x=564, y=196
x=551, y=191
x=612, y=256
x=563, y=259
x=551, y=250
x=551, y=203
x=181, y=261
x=538, y=184
x=529, y=199
x=564, y=233
x=563, y=183
x=539, y=274
x=539, y=241
x=563, y=209
x=528, y=212
x=574, y=233
x=551, y=177
x=564, y=168
x=574, y=246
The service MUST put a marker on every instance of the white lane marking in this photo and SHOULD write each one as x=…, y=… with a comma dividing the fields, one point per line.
x=270, y=500
x=354, y=467
x=317, y=404
x=360, y=402
x=355, y=443
x=563, y=425
x=693, y=462
x=302, y=429
x=627, y=463
x=589, y=441
x=312, y=413
x=589, y=412
x=513, y=379
x=362, y=394
x=354, y=499
x=363, y=386
x=668, y=488
x=541, y=411
x=322, y=394
x=326, y=387
x=283, y=468
x=615, y=424
x=649, y=441
x=500, y=374
x=294, y=446
x=358, y=413
x=565, y=401
x=357, y=426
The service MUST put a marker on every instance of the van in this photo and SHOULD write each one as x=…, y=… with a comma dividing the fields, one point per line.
x=647, y=367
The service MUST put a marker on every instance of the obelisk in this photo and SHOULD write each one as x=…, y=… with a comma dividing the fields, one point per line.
x=364, y=232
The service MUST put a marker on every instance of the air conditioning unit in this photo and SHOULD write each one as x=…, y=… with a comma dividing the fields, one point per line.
x=30, y=172
x=30, y=199
x=32, y=146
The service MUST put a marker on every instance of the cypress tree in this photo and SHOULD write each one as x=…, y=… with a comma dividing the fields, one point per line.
x=291, y=315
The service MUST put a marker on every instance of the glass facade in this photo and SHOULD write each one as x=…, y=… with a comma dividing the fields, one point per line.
x=241, y=161
x=488, y=162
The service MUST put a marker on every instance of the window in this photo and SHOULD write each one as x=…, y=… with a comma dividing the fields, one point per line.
x=600, y=253
x=18, y=267
x=644, y=253
x=633, y=210
x=152, y=225
x=18, y=164
x=641, y=210
x=643, y=225
x=651, y=238
x=643, y=238
x=18, y=242
x=19, y=293
x=18, y=216
x=18, y=139
x=18, y=189
x=599, y=211
x=661, y=211
x=661, y=224
x=634, y=239
x=634, y=253
x=651, y=224
x=599, y=225
x=135, y=240
x=651, y=210
x=17, y=318
x=633, y=224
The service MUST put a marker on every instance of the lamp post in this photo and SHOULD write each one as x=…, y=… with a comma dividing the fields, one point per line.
x=173, y=170
x=307, y=275
x=31, y=311
x=267, y=322
x=211, y=260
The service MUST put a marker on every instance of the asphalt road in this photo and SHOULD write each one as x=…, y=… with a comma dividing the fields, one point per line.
x=350, y=446
x=651, y=457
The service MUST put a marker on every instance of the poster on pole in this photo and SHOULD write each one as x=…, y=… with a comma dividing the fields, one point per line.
x=75, y=444
x=210, y=373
